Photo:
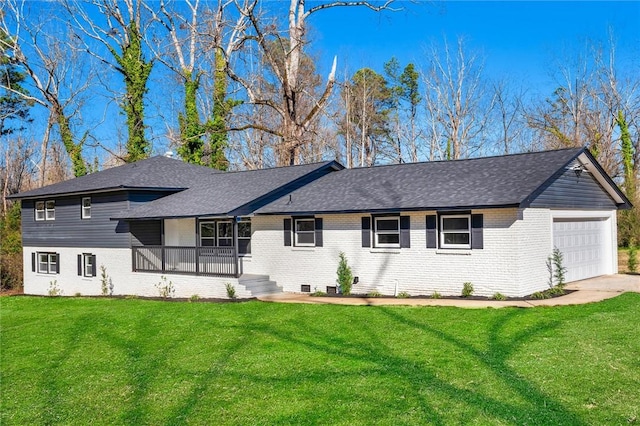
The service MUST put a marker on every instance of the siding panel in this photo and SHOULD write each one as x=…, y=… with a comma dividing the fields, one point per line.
x=571, y=192
x=70, y=230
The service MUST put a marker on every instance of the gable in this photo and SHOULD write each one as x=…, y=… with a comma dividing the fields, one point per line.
x=568, y=190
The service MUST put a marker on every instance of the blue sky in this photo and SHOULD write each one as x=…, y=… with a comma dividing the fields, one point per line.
x=517, y=39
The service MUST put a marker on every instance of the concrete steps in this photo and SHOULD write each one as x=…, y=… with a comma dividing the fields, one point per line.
x=258, y=285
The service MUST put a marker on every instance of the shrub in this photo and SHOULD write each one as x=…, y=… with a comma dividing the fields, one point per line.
x=231, y=291
x=318, y=293
x=403, y=295
x=436, y=295
x=54, y=290
x=499, y=296
x=374, y=293
x=345, y=276
x=10, y=249
x=467, y=289
x=105, y=282
x=165, y=288
x=632, y=261
x=540, y=295
x=78, y=294
x=194, y=298
x=559, y=270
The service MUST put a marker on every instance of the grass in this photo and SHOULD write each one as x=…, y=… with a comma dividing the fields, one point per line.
x=124, y=362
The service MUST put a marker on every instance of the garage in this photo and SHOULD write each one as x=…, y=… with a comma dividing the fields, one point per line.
x=585, y=244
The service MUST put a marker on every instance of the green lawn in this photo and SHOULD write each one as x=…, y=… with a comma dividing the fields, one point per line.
x=132, y=362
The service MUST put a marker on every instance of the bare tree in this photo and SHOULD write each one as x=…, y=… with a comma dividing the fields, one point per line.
x=58, y=83
x=510, y=120
x=285, y=56
x=458, y=104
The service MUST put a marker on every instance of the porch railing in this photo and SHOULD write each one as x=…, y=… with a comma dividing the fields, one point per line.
x=215, y=261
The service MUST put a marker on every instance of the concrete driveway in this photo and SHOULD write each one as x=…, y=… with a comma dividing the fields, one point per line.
x=618, y=283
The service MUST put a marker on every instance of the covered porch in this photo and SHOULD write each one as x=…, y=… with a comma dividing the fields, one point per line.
x=213, y=246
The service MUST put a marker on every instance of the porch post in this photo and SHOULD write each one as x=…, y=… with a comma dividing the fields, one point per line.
x=235, y=246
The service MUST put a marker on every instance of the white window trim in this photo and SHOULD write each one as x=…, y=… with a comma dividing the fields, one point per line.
x=50, y=214
x=51, y=266
x=85, y=210
x=41, y=210
x=458, y=231
x=377, y=233
x=296, y=232
x=86, y=260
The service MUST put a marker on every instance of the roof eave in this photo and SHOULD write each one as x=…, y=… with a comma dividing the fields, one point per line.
x=95, y=191
x=390, y=210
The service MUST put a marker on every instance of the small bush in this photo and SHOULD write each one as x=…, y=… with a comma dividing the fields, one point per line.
x=436, y=295
x=555, y=291
x=632, y=261
x=231, y=291
x=498, y=296
x=131, y=296
x=194, y=298
x=467, y=289
x=374, y=293
x=345, y=276
x=540, y=295
x=106, y=284
x=165, y=288
x=54, y=290
x=403, y=295
x=78, y=294
x=318, y=293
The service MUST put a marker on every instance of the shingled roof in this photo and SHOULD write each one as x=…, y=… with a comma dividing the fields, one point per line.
x=153, y=173
x=503, y=181
x=231, y=193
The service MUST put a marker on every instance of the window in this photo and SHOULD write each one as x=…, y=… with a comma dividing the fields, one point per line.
x=50, y=210
x=86, y=208
x=87, y=266
x=387, y=231
x=225, y=234
x=48, y=263
x=45, y=210
x=305, y=231
x=40, y=210
x=455, y=231
x=244, y=236
x=207, y=234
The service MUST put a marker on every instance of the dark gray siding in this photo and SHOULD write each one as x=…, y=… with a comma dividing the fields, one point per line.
x=70, y=230
x=569, y=191
x=146, y=232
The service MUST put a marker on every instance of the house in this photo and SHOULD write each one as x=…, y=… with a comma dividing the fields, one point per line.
x=416, y=228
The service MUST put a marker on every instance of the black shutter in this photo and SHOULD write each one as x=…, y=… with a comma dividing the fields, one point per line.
x=432, y=231
x=287, y=232
x=93, y=265
x=33, y=262
x=80, y=265
x=405, y=237
x=476, y=231
x=366, y=231
x=57, y=263
x=318, y=232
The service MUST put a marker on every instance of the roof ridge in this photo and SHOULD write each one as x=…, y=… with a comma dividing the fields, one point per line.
x=460, y=160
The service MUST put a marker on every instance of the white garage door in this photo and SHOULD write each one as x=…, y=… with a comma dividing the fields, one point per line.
x=584, y=245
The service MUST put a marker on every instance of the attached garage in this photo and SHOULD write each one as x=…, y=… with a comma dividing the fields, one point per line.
x=586, y=244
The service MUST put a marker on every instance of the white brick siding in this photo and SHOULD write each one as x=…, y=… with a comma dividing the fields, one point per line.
x=512, y=262
x=118, y=267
